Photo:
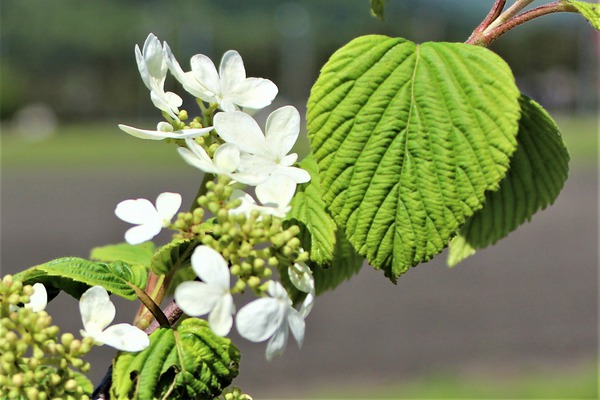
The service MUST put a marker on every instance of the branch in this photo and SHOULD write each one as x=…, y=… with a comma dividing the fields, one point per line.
x=491, y=17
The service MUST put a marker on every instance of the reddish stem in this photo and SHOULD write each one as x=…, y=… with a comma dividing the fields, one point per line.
x=491, y=17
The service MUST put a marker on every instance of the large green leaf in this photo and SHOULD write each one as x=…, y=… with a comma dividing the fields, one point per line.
x=537, y=173
x=75, y=275
x=191, y=362
x=590, y=11
x=129, y=253
x=408, y=138
x=317, y=228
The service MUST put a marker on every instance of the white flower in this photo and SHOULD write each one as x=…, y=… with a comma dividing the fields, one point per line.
x=210, y=296
x=302, y=278
x=229, y=87
x=271, y=317
x=275, y=196
x=264, y=154
x=97, y=312
x=38, y=300
x=150, y=219
x=153, y=70
x=164, y=130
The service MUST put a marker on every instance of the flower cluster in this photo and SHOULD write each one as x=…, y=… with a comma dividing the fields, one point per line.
x=35, y=361
x=245, y=238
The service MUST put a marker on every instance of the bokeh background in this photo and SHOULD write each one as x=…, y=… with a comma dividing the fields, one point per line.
x=517, y=320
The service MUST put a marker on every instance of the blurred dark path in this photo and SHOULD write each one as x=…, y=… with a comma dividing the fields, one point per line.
x=526, y=304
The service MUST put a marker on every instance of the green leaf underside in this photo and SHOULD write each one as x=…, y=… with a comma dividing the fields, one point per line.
x=129, y=253
x=537, y=173
x=75, y=275
x=317, y=228
x=345, y=264
x=590, y=11
x=176, y=254
x=407, y=139
x=191, y=362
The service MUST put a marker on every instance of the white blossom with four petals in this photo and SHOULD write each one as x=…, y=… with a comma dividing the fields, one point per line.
x=98, y=312
x=153, y=70
x=264, y=154
x=271, y=317
x=212, y=295
x=150, y=219
x=228, y=87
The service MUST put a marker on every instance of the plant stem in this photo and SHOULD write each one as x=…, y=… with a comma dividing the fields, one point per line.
x=491, y=17
x=508, y=14
x=202, y=189
x=494, y=31
x=151, y=305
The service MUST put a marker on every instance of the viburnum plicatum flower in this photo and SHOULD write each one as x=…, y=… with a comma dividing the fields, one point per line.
x=212, y=295
x=264, y=154
x=97, y=312
x=229, y=87
x=275, y=196
x=302, y=278
x=271, y=317
x=38, y=300
x=165, y=130
x=153, y=70
x=150, y=219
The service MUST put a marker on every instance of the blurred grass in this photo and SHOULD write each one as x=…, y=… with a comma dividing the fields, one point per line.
x=574, y=383
x=101, y=146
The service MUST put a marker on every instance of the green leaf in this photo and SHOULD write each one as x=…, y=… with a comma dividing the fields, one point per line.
x=408, y=138
x=75, y=275
x=377, y=8
x=345, y=264
x=590, y=11
x=191, y=362
x=176, y=254
x=537, y=173
x=129, y=253
x=317, y=228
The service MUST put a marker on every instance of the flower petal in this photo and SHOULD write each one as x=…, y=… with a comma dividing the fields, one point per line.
x=143, y=233
x=211, y=267
x=220, y=318
x=277, y=344
x=277, y=191
x=258, y=320
x=227, y=158
x=297, y=325
x=301, y=277
x=167, y=205
x=138, y=211
x=231, y=71
x=154, y=59
x=297, y=174
x=206, y=75
x=124, y=337
x=253, y=93
x=38, y=299
x=282, y=130
x=196, y=298
x=97, y=311
x=160, y=135
x=240, y=129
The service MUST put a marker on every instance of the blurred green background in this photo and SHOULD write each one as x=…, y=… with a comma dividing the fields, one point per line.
x=68, y=76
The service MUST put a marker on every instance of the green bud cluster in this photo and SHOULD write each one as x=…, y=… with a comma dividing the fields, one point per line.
x=234, y=394
x=253, y=245
x=35, y=361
